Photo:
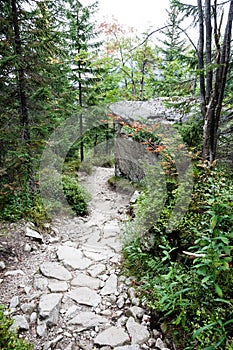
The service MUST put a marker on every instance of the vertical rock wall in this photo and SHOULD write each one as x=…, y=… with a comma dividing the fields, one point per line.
x=131, y=157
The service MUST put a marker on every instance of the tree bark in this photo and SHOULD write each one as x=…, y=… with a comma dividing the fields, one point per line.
x=80, y=87
x=201, y=57
x=214, y=108
x=209, y=77
x=24, y=117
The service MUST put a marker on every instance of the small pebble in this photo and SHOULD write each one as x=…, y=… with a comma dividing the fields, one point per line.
x=27, y=248
x=2, y=265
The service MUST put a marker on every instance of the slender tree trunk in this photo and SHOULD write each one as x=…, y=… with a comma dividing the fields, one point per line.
x=201, y=56
x=24, y=118
x=95, y=143
x=81, y=118
x=214, y=108
x=142, y=78
x=209, y=77
x=222, y=76
x=80, y=89
x=107, y=139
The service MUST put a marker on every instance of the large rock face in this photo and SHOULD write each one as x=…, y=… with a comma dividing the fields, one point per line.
x=129, y=158
x=129, y=154
x=150, y=112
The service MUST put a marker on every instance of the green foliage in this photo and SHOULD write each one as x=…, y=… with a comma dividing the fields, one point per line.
x=141, y=134
x=8, y=338
x=97, y=143
x=16, y=198
x=55, y=186
x=76, y=195
x=191, y=132
x=186, y=275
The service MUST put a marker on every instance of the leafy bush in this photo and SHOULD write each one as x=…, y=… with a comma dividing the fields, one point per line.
x=191, y=131
x=186, y=275
x=76, y=195
x=8, y=339
x=16, y=201
x=55, y=187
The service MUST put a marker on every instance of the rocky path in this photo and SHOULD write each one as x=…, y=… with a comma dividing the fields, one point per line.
x=69, y=294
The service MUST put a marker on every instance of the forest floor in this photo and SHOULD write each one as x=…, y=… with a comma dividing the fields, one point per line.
x=64, y=286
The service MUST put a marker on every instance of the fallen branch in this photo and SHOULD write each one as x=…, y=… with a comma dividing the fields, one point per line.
x=193, y=255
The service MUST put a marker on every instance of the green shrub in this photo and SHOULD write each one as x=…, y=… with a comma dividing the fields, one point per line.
x=191, y=131
x=192, y=292
x=71, y=166
x=8, y=339
x=16, y=201
x=76, y=195
x=55, y=187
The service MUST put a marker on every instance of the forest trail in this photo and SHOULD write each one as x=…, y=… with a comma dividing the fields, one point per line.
x=68, y=293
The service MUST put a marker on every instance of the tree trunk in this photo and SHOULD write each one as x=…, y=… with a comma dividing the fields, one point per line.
x=209, y=77
x=24, y=118
x=214, y=108
x=80, y=89
x=201, y=56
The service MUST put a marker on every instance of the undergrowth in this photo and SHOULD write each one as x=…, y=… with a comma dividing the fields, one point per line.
x=185, y=276
x=9, y=339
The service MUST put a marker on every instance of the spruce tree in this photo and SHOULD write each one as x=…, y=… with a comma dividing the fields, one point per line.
x=35, y=93
x=83, y=44
x=175, y=77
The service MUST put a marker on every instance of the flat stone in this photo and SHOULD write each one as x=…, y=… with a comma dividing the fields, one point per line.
x=94, y=238
x=28, y=308
x=33, y=317
x=33, y=234
x=106, y=312
x=128, y=347
x=41, y=329
x=83, y=280
x=85, y=296
x=14, y=273
x=98, y=256
x=71, y=312
x=73, y=257
x=138, y=333
x=2, y=265
x=120, y=302
x=49, y=306
x=55, y=270
x=58, y=286
x=52, y=344
x=96, y=270
x=135, y=311
x=20, y=323
x=40, y=283
x=111, y=230
x=110, y=286
x=132, y=292
x=113, y=244
x=87, y=320
x=160, y=344
x=14, y=302
x=112, y=336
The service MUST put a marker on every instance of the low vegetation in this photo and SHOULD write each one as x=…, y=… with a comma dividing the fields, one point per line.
x=9, y=339
x=185, y=275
